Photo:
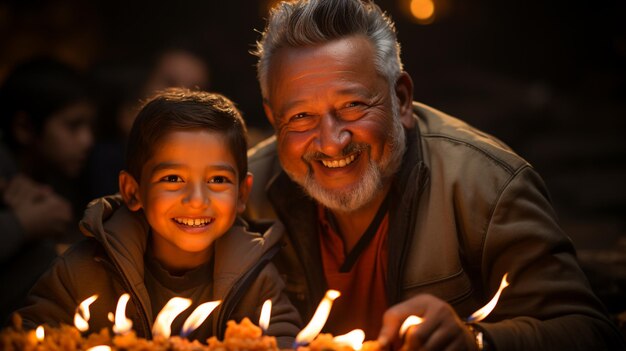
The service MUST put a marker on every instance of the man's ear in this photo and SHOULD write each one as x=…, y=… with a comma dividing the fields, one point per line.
x=404, y=92
x=268, y=113
x=245, y=187
x=129, y=189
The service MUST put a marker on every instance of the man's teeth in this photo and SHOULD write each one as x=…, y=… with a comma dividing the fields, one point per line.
x=339, y=163
x=194, y=221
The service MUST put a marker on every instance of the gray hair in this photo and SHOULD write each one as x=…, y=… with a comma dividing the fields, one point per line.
x=309, y=22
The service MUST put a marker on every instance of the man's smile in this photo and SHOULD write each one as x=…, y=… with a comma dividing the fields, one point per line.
x=340, y=163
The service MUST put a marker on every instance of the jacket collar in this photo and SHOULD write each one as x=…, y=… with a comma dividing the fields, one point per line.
x=124, y=235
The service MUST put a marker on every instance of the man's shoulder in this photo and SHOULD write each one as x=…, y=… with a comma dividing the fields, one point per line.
x=265, y=149
x=445, y=135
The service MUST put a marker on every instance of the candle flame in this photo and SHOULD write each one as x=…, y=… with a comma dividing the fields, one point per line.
x=81, y=317
x=266, y=312
x=122, y=324
x=111, y=317
x=409, y=322
x=198, y=316
x=354, y=339
x=485, y=310
x=162, y=324
x=40, y=333
x=100, y=348
x=316, y=324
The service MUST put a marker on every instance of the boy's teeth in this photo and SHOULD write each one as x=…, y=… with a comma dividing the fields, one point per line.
x=339, y=163
x=193, y=221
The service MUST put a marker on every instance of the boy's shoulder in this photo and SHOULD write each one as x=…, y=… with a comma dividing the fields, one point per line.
x=239, y=248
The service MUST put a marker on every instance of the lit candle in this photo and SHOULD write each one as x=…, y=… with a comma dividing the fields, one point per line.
x=266, y=313
x=485, y=310
x=410, y=321
x=122, y=324
x=163, y=322
x=198, y=316
x=320, y=316
x=100, y=348
x=81, y=317
x=40, y=334
x=354, y=339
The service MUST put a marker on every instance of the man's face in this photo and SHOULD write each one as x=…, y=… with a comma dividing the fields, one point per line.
x=337, y=127
x=189, y=192
x=67, y=137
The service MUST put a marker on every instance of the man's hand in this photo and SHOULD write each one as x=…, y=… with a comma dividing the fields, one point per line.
x=40, y=211
x=441, y=328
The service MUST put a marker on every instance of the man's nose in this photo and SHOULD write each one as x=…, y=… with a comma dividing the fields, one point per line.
x=333, y=136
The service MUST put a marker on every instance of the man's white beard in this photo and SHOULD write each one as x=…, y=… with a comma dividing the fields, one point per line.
x=372, y=180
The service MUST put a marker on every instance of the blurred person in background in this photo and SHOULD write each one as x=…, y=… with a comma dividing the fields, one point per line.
x=121, y=87
x=46, y=118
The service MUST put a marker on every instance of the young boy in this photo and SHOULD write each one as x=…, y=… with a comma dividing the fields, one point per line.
x=174, y=230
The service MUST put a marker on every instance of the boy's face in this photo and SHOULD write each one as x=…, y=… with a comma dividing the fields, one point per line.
x=190, y=194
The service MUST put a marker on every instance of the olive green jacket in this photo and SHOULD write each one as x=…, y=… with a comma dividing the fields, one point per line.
x=464, y=210
x=111, y=262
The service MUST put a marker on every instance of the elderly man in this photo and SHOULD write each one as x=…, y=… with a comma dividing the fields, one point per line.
x=402, y=208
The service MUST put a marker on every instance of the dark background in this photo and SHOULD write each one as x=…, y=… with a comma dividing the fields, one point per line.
x=546, y=77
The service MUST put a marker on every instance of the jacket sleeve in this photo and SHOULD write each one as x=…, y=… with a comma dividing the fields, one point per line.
x=285, y=321
x=547, y=286
x=53, y=299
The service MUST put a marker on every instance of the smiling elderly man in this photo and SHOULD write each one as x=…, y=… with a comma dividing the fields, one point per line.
x=402, y=208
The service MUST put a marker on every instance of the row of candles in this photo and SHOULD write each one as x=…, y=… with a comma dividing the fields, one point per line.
x=176, y=305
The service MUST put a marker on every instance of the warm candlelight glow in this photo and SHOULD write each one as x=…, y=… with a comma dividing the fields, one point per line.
x=198, y=316
x=40, y=333
x=485, y=310
x=354, y=339
x=409, y=322
x=316, y=324
x=100, y=348
x=111, y=317
x=162, y=324
x=81, y=317
x=122, y=324
x=266, y=313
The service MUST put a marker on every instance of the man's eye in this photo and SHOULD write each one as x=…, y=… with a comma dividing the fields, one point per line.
x=172, y=179
x=299, y=116
x=219, y=180
x=353, y=104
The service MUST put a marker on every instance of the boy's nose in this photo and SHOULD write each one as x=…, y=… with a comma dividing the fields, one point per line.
x=197, y=195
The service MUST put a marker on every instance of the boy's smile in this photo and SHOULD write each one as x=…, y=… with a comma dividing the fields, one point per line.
x=190, y=194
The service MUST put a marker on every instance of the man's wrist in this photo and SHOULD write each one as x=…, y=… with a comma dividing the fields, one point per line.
x=479, y=337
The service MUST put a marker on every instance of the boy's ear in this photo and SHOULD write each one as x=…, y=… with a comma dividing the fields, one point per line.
x=244, y=191
x=129, y=189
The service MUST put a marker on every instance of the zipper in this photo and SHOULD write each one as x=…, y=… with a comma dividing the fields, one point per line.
x=238, y=290
x=113, y=268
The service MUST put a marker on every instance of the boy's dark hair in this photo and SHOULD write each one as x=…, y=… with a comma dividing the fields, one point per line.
x=39, y=88
x=177, y=109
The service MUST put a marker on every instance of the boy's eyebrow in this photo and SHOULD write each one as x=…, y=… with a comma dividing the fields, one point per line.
x=173, y=165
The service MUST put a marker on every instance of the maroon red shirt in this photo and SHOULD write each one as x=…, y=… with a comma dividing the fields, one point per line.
x=359, y=275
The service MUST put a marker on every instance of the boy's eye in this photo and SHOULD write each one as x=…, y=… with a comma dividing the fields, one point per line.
x=172, y=179
x=219, y=180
